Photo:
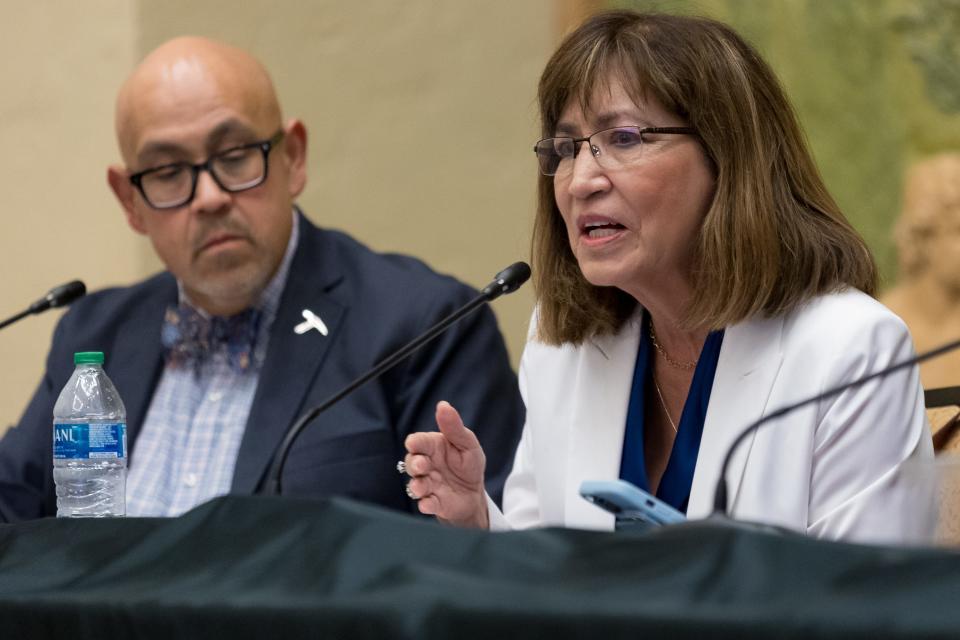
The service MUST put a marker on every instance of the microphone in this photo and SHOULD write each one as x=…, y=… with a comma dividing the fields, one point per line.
x=56, y=297
x=720, y=494
x=507, y=281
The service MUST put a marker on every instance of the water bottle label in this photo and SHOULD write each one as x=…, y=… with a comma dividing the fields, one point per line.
x=83, y=441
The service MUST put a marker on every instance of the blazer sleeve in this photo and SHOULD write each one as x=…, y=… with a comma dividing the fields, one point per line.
x=871, y=476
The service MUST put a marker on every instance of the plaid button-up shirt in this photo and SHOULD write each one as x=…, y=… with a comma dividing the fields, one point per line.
x=187, y=448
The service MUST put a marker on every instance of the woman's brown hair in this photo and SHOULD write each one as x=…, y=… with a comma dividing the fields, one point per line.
x=773, y=236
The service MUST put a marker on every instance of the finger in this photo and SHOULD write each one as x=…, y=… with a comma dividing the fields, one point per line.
x=423, y=442
x=420, y=487
x=429, y=505
x=451, y=425
x=418, y=465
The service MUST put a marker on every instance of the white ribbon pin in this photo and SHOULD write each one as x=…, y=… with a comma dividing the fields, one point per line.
x=310, y=321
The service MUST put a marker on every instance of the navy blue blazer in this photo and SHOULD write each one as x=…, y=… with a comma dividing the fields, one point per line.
x=372, y=304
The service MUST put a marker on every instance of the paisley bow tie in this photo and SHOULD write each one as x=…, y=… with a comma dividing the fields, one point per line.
x=189, y=339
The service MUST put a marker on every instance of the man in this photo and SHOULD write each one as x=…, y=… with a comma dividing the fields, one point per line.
x=259, y=316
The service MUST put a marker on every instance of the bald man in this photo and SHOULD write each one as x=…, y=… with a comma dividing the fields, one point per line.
x=258, y=316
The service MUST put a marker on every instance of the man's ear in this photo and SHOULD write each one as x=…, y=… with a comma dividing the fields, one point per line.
x=120, y=184
x=295, y=153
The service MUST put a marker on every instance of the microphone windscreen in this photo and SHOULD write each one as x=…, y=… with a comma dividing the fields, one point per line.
x=514, y=276
x=508, y=280
x=66, y=293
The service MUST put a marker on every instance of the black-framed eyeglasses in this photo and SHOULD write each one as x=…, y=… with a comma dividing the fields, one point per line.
x=614, y=148
x=235, y=169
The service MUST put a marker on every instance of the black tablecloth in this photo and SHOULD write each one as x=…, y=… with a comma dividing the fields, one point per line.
x=268, y=567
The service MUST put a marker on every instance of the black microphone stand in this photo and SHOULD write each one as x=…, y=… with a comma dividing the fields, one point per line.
x=19, y=316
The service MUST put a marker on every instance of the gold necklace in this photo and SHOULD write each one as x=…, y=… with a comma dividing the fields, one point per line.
x=664, y=404
x=685, y=366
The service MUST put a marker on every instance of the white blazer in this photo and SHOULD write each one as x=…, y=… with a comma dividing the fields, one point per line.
x=840, y=468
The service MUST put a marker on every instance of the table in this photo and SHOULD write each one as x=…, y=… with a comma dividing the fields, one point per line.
x=257, y=567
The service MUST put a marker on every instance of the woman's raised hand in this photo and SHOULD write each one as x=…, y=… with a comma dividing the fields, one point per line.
x=446, y=471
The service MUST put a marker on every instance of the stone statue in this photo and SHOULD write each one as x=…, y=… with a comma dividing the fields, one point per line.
x=927, y=234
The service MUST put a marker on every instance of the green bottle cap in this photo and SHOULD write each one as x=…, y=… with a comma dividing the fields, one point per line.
x=88, y=357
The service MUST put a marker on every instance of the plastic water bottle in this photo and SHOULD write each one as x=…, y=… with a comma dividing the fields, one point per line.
x=90, y=443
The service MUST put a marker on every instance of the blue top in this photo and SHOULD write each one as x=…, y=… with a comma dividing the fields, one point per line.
x=677, y=479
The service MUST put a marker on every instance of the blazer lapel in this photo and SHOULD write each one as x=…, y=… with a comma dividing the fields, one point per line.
x=293, y=361
x=749, y=363
x=598, y=420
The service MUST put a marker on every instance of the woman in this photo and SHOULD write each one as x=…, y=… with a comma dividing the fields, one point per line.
x=692, y=273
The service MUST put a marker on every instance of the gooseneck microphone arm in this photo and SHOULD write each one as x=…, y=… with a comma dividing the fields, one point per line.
x=56, y=297
x=507, y=281
x=720, y=494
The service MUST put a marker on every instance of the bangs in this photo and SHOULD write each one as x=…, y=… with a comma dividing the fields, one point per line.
x=587, y=65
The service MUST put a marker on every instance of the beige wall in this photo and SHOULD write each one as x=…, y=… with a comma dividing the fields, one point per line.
x=421, y=116
x=62, y=64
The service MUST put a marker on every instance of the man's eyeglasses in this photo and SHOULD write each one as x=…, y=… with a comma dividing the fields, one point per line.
x=237, y=169
x=613, y=148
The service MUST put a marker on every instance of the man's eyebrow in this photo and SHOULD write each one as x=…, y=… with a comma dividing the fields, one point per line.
x=153, y=150
x=226, y=128
x=163, y=148
x=154, y=154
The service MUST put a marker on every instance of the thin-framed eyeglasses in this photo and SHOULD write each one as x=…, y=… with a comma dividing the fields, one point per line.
x=236, y=169
x=614, y=148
